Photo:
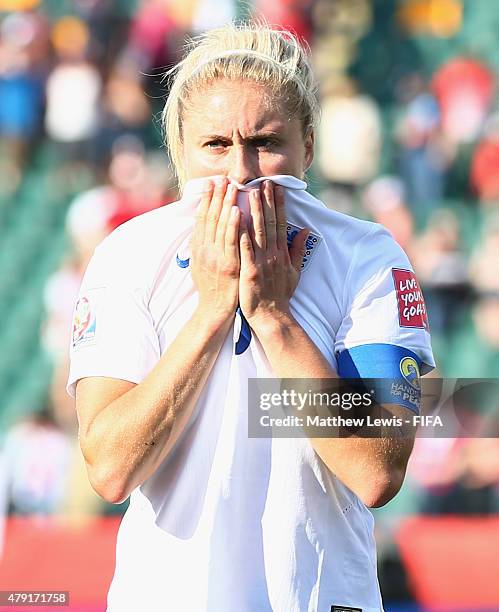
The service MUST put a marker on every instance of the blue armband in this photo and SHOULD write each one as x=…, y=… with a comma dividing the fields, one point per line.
x=393, y=372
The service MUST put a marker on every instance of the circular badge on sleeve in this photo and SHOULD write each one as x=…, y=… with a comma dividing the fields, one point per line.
x=410, y=371
x=84, y=322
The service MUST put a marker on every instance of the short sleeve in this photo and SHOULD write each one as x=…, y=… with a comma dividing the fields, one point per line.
x=113, y=332
x=383, y=303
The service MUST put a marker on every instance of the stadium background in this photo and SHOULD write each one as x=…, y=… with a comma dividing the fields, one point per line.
x=409, y=137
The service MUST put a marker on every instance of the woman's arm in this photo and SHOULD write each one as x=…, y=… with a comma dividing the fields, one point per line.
x=127, y=430
x=373, y=468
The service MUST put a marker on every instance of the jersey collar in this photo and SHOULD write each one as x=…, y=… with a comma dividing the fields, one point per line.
x=195, y=187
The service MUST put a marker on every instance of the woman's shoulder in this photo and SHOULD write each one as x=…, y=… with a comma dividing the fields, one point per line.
x=343, y=231
x=140, y=244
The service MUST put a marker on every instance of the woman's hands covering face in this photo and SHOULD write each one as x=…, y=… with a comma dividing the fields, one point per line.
x=233, y=262
x=214, y=247
x=269, y=271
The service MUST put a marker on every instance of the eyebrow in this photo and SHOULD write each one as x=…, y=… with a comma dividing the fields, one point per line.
x=258, y=135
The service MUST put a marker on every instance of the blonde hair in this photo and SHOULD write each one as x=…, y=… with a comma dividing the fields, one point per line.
x=251, y=51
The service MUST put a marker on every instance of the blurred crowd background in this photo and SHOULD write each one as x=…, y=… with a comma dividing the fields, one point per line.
x=409, y=138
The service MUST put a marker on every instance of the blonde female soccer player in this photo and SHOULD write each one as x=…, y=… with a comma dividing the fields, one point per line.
x=181, y=306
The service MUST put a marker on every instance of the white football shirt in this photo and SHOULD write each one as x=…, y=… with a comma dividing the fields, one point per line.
x=229, y=522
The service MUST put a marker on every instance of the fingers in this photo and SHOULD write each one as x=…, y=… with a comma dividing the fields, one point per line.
x=229, y=202
x=297, y=250
x=231, y=245
x=269, y=213
x=245, y=246
x=204, y=204
x=214, y=210
x=268, y=217
x=220, y=221
x=215, y=265
x=280, y=213
x=258, y=220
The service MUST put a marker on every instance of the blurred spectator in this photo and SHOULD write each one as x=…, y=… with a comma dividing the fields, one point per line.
x=197, y=15
x=484, y=263
x=42, y=472
x=205, y=18
x=484, y=173
x=337, y=28
x=423, y=158
x=21, y=91
x=464, y=88
x=434, y=464
x=294, y=15
x=486, y=320
x=181, y=12
x=473, y=350
x=73, y=91
x=37, y=457
x=458, y=476
x=87, y=221
x=102, y=17
x=441, y=18
x=154, y=37
x=481, y=463
x=441, y=267
x=18, y=5
x=135, y=185
x=384, y=199
x=349, y=137
x=125, y=111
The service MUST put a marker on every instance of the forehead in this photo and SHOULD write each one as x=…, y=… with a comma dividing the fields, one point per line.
x=225, y=104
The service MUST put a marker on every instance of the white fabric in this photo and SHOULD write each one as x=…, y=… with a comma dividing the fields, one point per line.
x=228, y=522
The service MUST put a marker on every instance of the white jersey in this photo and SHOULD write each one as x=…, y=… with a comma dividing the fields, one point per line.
x=229, y=522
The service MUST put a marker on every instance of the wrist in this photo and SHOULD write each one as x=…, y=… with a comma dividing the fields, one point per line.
x=273, y=325
x=211, y=320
